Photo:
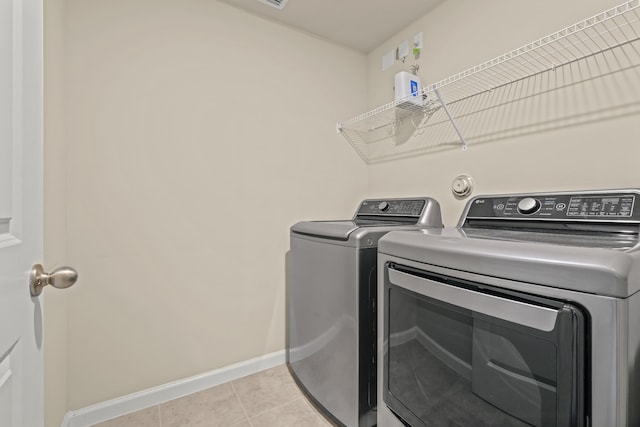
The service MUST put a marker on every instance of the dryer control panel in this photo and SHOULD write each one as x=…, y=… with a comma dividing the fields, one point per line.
x=423, y=211
x=622, y=205
x=392, y=207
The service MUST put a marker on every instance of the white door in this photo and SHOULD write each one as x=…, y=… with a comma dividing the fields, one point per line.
x=21, y=370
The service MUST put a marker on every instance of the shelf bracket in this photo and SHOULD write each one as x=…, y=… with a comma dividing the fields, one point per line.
x=451, y=119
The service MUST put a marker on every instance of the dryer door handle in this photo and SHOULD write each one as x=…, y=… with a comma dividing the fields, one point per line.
x=521, y=313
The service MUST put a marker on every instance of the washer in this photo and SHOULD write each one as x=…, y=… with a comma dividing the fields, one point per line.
x=331, y=323
x=526, y=313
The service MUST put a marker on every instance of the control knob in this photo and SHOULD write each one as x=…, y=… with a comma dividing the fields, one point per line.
x=383, y=206
x=528, y=205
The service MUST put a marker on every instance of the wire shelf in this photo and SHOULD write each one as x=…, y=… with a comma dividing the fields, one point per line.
x=600, y=54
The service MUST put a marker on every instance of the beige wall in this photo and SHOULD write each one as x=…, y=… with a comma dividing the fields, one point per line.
x=197, y=134
x=55, y=303
x=181, y=118
x=463, y=33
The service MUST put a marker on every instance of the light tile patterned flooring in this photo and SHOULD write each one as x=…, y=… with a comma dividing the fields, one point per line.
x=269, y=398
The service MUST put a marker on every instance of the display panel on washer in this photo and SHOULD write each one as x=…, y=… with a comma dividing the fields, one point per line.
x=559, y=207
x=466, y=354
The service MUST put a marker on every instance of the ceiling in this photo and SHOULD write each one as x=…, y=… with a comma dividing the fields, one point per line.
x=359, y=24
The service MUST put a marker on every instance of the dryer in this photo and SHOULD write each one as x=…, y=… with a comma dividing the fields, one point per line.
x=525, y=314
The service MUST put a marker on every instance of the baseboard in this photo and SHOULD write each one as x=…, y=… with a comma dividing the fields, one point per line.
x=104, y=411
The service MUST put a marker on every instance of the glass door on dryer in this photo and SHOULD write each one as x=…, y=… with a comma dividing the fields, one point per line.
x=460, y=353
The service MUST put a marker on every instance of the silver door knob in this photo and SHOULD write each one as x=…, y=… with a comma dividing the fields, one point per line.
x=60, y=278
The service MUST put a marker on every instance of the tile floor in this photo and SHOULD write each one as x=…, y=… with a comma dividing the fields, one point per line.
x=269, y=398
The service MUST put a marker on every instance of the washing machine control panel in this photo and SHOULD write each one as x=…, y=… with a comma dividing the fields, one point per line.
x=596, y=206
x=392, y=207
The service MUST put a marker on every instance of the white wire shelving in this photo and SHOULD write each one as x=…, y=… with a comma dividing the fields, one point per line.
x=569, y=77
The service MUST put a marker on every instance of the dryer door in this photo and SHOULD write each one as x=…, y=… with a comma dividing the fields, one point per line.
x=466, y=354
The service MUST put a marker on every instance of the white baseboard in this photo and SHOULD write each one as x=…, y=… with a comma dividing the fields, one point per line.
x=104, y=411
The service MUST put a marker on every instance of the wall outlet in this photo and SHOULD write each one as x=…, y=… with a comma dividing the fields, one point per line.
x=403, y=50
x=418, y=41
x=388, y=60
